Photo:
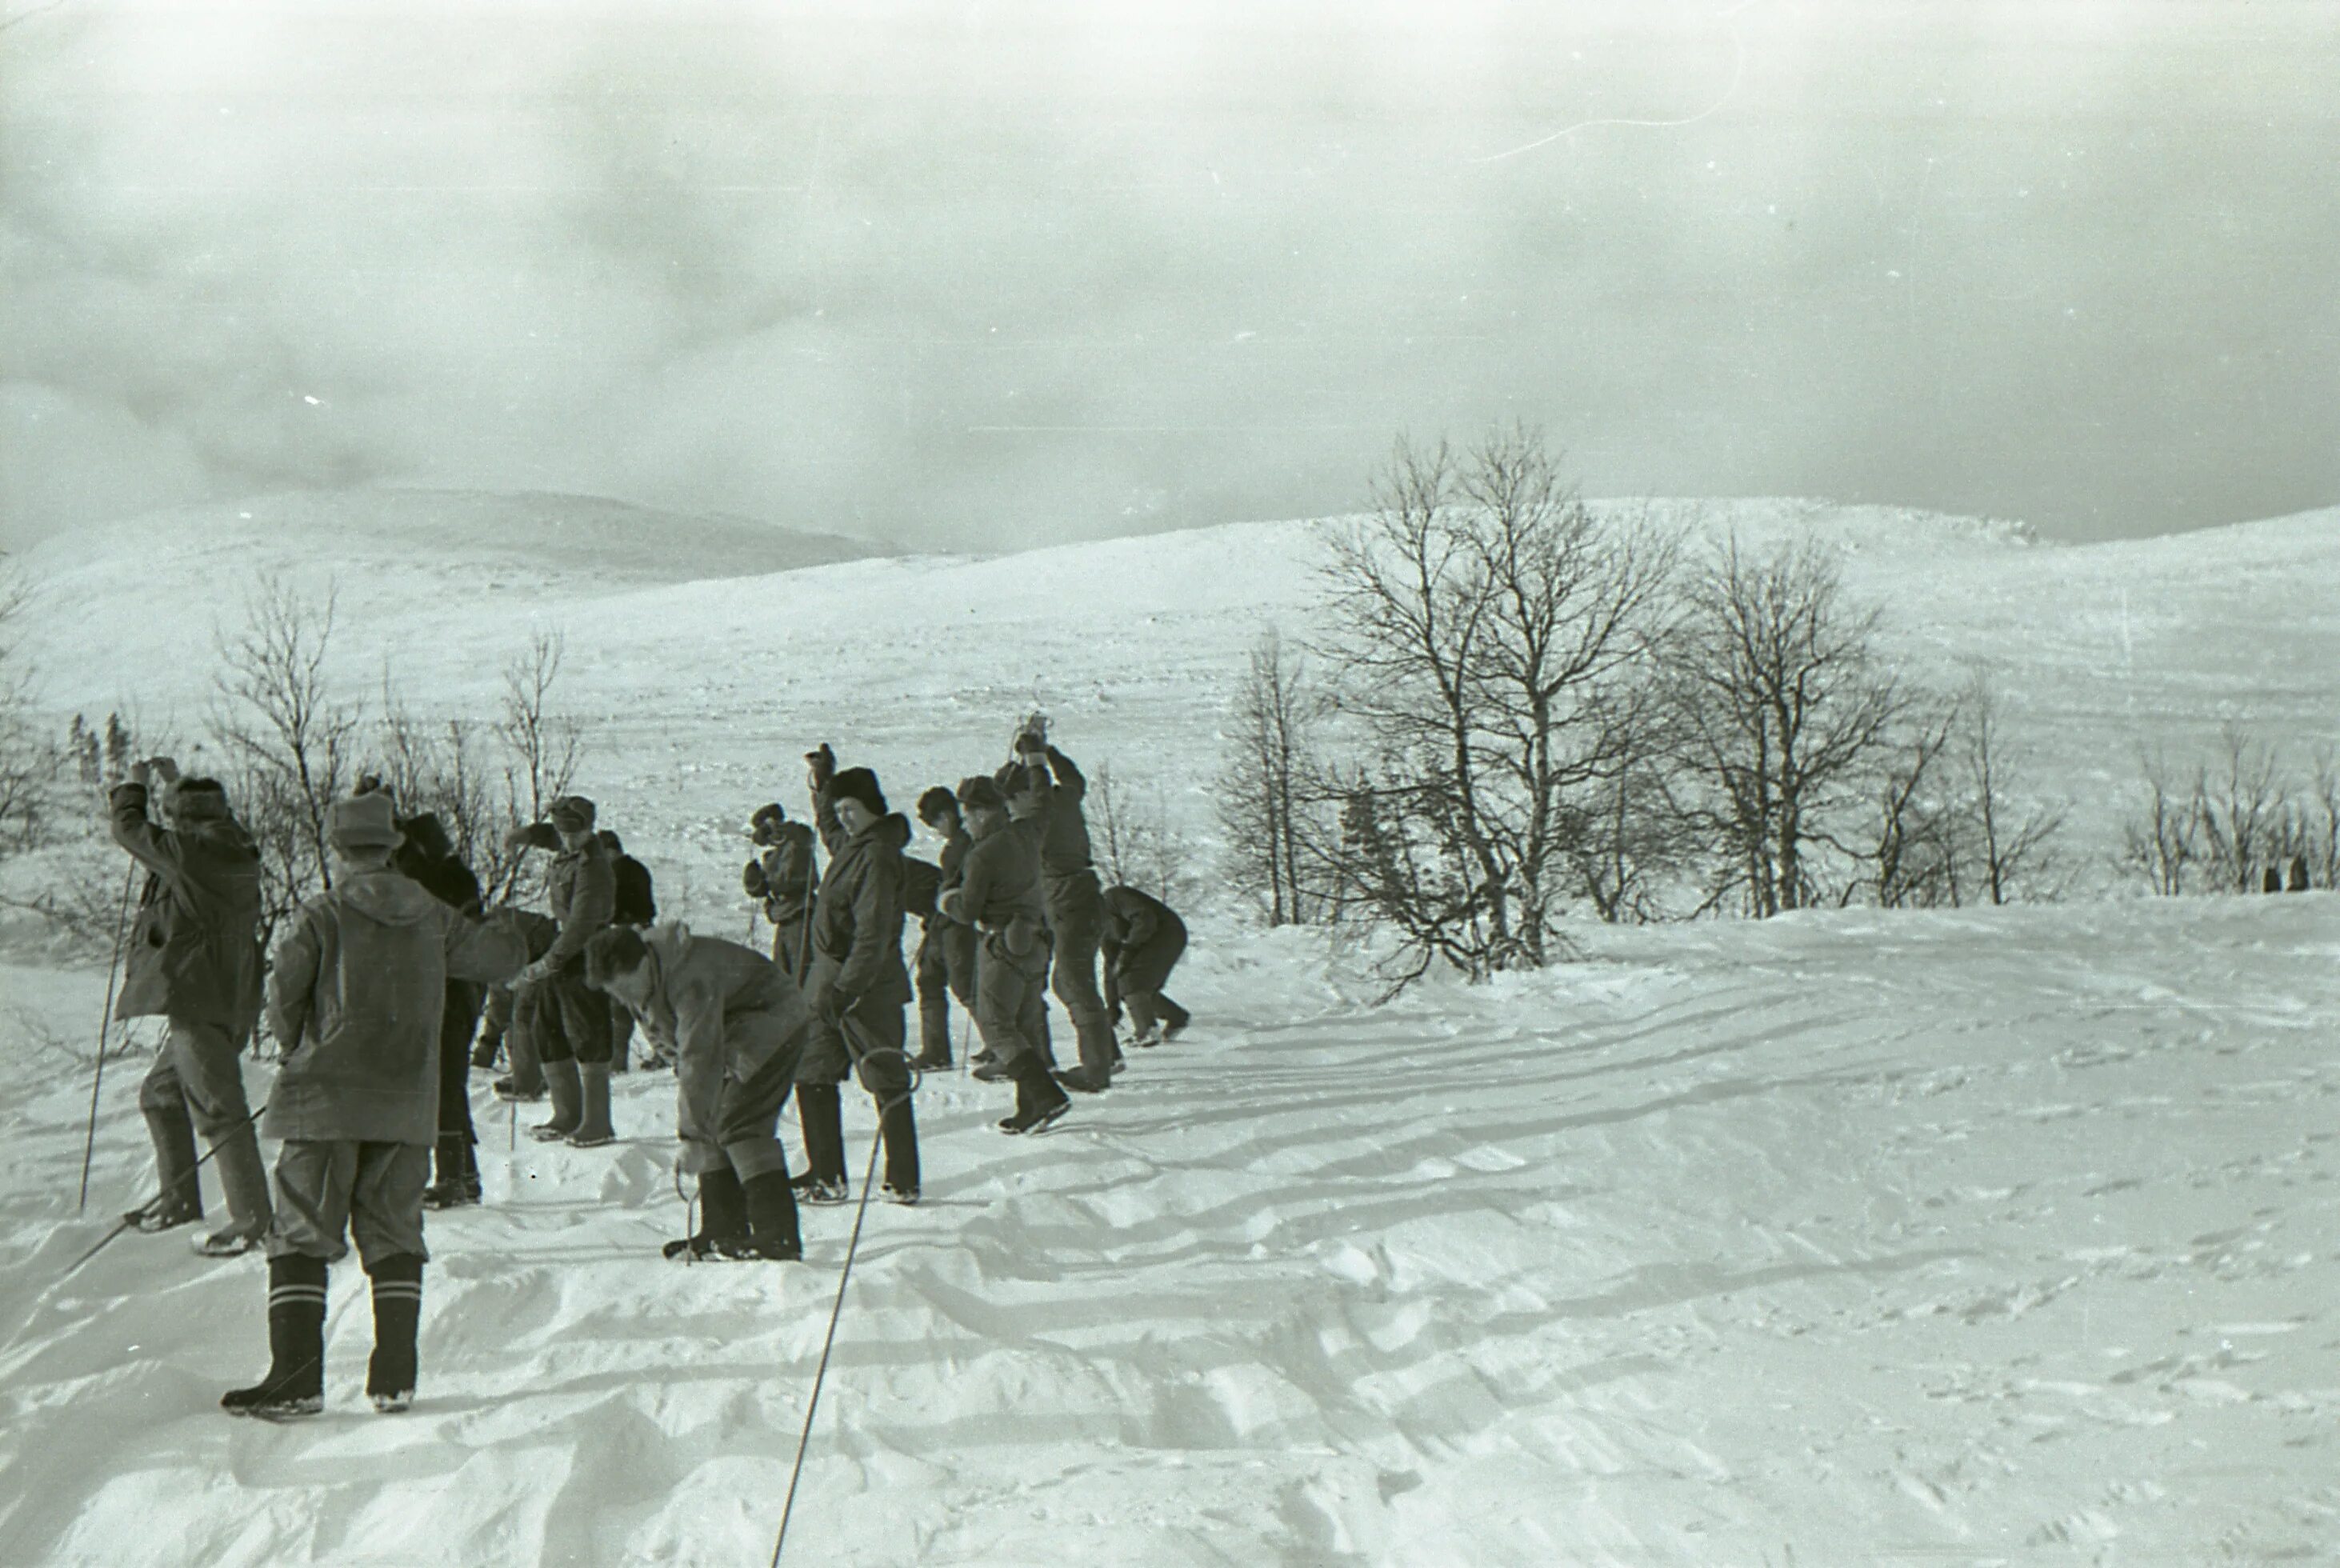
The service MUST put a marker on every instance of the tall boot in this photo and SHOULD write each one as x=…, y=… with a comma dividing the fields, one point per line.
x=772, y=1230
x=898, y=1126
x=722, y=1217
x=180, y=1196
x=593, y=1129
x=295, y=1383
x=821, y=1117
x=568, y=1101
x=1174, y=1018
x=1039, y=1098
x=397, y=1315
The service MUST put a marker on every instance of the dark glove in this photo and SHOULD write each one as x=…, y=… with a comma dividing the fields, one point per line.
x=833, y=1004
x=823, y=764
x=751, y=880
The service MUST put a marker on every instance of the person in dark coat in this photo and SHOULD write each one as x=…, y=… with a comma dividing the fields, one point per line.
x=736, y=1025
x=785, y=876
x=426, y=856
x=195, y=960
x=998, y=896
x=635, y=906
x=857, y=986
x=1144, y=939
x=502, y=1024
x=355, y=991
x=944, y=965
x=1075, y=908
x=568, y=1020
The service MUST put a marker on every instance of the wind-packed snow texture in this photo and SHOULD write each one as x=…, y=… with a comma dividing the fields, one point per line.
x=1983, y=1237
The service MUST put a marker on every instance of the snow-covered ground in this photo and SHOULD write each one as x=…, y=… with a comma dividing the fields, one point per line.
x=1992, y=1236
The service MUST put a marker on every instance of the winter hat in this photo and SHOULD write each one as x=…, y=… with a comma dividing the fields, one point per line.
x=199, y=801
x=362, y=822
x=570, y=814
x=774, y=812
x=979, y=793
x=428, y=835
x=858, y=784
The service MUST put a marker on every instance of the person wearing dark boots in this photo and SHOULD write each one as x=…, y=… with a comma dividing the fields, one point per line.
x=784, y=876
x=1144, y=939
x=634, y=905
x=354, y=991
x=1076, y=907
x=195, y=960
x=426, y=856
x=944, y=965
x=570, y=1021
x=736, y=1025
x=998, y=896
x=857, y=986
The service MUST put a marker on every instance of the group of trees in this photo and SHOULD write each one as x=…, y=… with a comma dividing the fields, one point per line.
x=2243, y=822
x=1518, y=712
x=287, y=739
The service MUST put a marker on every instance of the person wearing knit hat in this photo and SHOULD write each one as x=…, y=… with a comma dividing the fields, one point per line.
x=568, y=1020
x=857, y=985
x=194, y=959
x=998, y=896
x=784, y=876
x=355, y=990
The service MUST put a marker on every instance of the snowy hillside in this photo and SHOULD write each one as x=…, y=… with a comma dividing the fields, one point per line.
x=2001, y=1236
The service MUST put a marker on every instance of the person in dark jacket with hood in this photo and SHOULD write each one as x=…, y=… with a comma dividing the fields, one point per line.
x=354, y=993
x=1144, y=939
x=195, y=960
x=425, y=855
x=785, y=876
x=998, y=896
x=634, y=904
x=736, y=1025
x=858, y=985
x=568, y=1020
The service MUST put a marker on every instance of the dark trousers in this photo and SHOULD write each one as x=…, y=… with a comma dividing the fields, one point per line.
x=570, y=1019
x=1076, y=918
x=457, y=1019
x=1011, y=1003
x=1135, y=975
x=945, y=970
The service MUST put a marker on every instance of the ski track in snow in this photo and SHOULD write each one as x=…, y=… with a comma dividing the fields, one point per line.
x=1983, y=1238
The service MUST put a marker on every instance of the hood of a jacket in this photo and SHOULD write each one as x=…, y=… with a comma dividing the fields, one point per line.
x=893, y=829
x=670, y=941
x=388, y=898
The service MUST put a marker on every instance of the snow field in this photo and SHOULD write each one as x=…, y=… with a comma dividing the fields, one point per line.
x=1984, y=1237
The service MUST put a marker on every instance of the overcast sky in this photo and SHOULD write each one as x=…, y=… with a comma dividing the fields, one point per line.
x=977, y=275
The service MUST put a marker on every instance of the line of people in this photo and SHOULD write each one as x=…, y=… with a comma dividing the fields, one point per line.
x=374, y=1089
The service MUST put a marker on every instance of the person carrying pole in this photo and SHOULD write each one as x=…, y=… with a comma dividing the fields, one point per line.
x=355, y=991
x=195, y=960
x=785, y=876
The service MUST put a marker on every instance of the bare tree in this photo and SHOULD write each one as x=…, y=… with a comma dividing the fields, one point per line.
x=1266, y=799
x=1785, y=714
x=1137, y=845
x=28, y=761
x=543, y=750
x=2014, y=847
x=292, y=742
x=2161, y=841
x=1480, y=617
x=2241, y=803
x=1917, y=858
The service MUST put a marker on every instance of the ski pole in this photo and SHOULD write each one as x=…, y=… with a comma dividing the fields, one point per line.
x=852, y=1244
x=131, y=1219
x=104, y=1028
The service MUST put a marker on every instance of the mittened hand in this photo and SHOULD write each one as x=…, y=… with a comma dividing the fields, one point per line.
x=823, y=764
